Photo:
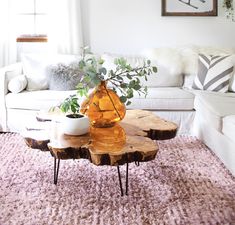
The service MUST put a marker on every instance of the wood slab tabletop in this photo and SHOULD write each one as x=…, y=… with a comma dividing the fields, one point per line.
x=131, y=140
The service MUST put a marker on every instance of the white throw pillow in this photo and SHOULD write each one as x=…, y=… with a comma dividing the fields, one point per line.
x=169, y=64
x=165, y=77
x=34, y=67
x=17, y=84
x=190, y=61
x=134, y=61
x=8, y=76
x=214, y=73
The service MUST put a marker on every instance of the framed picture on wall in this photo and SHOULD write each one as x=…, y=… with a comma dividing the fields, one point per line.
x=189, y=7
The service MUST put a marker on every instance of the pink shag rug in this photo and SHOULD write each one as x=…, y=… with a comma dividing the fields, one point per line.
x=185, y=184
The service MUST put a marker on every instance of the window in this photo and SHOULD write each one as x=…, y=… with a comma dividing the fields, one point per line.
x=31, y=19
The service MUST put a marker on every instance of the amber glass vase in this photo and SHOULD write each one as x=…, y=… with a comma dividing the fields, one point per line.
x=103, y=107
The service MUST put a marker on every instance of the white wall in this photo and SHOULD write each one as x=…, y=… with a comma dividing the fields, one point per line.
x=29, y=47
x=129, y=26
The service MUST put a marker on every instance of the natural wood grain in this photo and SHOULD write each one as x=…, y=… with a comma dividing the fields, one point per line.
x=129, y=141
x=37, y=139
x=155, y=127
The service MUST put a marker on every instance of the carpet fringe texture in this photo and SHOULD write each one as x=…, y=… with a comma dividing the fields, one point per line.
x=185, y=184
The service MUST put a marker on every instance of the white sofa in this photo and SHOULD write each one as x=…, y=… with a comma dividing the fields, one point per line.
x=208, y=115
x=214, y=124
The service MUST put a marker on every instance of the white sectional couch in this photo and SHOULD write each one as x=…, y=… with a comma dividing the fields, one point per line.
x=208, y=115
x=214, y=124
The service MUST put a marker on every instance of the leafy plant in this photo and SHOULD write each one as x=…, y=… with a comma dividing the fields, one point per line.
x=124, y=78
x=71, y=105
x=228, y=5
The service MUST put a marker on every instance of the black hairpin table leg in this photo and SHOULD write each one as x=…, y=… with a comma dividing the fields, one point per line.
x=56, y=169
x=120, y=179
x=127, y=178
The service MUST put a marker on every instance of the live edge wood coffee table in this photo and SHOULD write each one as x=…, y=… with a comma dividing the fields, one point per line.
x=132, y=140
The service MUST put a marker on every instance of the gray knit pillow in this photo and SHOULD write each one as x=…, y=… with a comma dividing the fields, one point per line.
x=214, y=73
x=63, y=77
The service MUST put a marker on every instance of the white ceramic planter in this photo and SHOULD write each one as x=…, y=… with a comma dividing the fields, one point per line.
x=75, y=126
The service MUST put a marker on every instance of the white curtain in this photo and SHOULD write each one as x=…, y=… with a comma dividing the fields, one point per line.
x=8, y=49
x=65, y=26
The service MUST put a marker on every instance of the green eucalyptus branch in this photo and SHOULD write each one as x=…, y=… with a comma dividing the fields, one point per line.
x=137, y=71
x=124, y=78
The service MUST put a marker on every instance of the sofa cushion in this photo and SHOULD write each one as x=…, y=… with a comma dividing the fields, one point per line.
x=213, y=106
x=157, y=99
x=161, y=98
x=36, y=100
x=214, y=73
x=229, y=127
x=167, y=76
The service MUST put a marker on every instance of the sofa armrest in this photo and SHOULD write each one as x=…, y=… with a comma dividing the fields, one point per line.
x=13, y=69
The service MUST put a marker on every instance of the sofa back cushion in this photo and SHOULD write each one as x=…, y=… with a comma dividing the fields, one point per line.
x=167, y=76
x=35, y=67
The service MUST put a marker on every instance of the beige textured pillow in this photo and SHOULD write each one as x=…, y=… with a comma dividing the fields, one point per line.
x=17, y=84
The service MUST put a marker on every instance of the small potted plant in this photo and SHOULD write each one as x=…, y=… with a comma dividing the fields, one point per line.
x=73, y=123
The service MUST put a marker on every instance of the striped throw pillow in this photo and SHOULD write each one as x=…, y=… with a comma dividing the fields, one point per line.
x=214, y=73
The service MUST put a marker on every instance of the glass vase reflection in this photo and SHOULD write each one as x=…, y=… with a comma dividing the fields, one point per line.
x=111, y=139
